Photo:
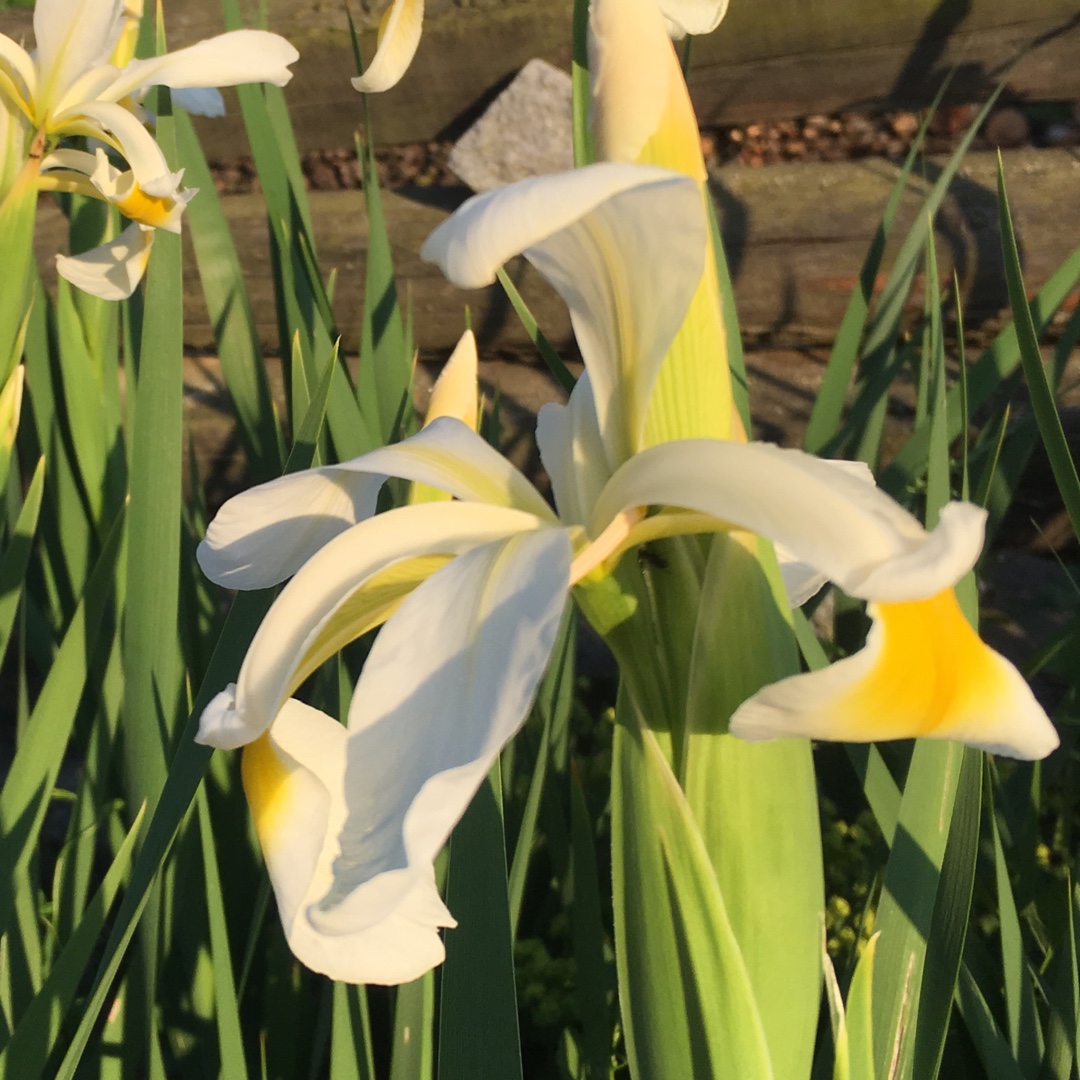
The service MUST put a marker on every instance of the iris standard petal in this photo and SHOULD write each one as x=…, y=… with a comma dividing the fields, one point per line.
x=693, y=16
x=240, y=56
x=924, y=673
x=113, y=270
x=833, y=520
x=293, y=777
x=325, y=605
x=399, y=38
x=572, y=452
x=641, y=110
x=73, y=36
x=597, y=234
x=448, y=682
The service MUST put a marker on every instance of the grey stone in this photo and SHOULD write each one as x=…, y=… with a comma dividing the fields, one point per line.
x=527, y=131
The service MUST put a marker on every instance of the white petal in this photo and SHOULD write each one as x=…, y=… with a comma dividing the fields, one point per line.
x=923, y=673
x=852, y=532
x=446, y=685
x=623, y=245
x=399, y=38
x=113, y=270
x=137, y=145
x=325, y=583
x=693, y=16
x=72, y=37
x=294, y=781
x=572, y=452
x=449, y=455
x=801, y=580
x=262, y=536
x=265, y=534
x=19, y=60
x=240, y=56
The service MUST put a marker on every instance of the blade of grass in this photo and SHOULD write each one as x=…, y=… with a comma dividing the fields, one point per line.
x=226, y=1010
x=478, y=1023
x=997, y=361
x=16, y=556
x=26, y=1056
x=230, y=314
x=579, y=78
x=550, y=357
x=1042, y=400
x=188, y=766
x=829, y=403
x=949, y=925
x=25, y=795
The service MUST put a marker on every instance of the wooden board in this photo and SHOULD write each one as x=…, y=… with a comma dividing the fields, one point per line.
x=796, y=237
x=769, y=59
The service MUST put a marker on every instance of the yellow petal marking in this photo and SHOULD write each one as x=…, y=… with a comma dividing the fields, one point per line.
x=267, y=781
x=931, y=671
x=368, y=607
x=146, y=209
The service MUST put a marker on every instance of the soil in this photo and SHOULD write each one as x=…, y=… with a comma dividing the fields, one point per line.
x=840, y=137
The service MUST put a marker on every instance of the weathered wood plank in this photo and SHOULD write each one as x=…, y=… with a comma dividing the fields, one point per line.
x=796, y=235
x=781, y=58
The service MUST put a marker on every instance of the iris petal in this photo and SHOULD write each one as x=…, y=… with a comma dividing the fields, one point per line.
x=924, y=673
x=399, y=38
x=448, y=682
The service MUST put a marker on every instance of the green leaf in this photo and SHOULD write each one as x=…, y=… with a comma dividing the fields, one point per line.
x=27, y=1054
x=878, y=365
x=553, y=703
x=949, y=925
x=1042, y=400
x=478, y=1024
x=860, y=1012
x=230, y=313
x=153, y=667
x=829, y=403
x=16, y=556
x=226, y=1010
x=579, y=76
x=413, y=1049
x=551, y=358
x=770, y=877
x=384, y=379
x=687, y=1004
x=17, y=212
x=906, y=910
x=350, y=1039
x=186, y=769
x=594, y=977
x=25, y=795
x=997, y=361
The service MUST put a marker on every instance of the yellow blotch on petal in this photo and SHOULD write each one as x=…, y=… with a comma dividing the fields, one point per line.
x=932, y=671
x=267, y=782
x=924, y=673
x=146, y=209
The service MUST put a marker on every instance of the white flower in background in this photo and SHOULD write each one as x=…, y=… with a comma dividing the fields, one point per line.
x=72, y=87
x=471, y=591
x=402, y=25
